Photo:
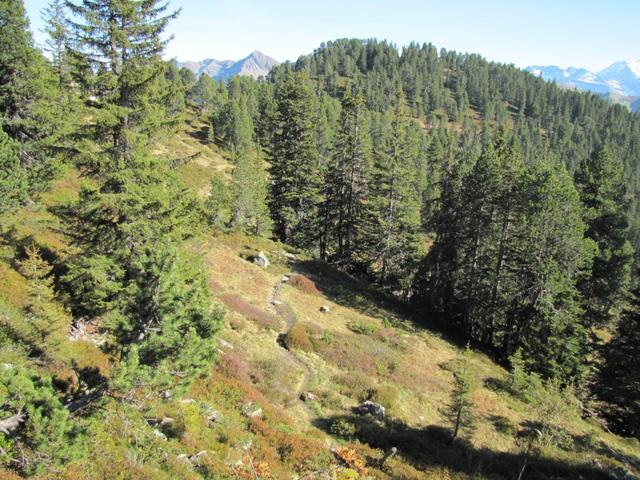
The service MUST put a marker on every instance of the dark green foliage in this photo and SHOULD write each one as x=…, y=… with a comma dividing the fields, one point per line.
x=126, y=77
x=617, y=381
x=13, y=178
x=604, y=195
x=44, y=438
x=393, y=233
x=460, y=411
x=132, y=271
x=249, y=210
x=347, y=182
x=218, y=204
x=28, y=92
x=507, y=258
x=294, y=191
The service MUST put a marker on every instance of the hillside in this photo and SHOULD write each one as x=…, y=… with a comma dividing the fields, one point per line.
x=302, y=344
x=372, y=264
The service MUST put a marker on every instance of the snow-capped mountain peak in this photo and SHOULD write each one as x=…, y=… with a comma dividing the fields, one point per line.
x=619, y=80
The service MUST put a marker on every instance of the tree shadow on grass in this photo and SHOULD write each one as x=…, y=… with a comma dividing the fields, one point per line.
x=432, y=446
x=362, y=296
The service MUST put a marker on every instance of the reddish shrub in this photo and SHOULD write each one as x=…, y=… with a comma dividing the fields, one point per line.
x=244, y=308
x=232, y=366
x=304, y=284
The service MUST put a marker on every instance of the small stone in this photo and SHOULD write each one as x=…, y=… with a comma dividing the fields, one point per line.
x=183, y=457
x=325, y=309
x=159, y=434
x=166, y=421
x=285, y=279
x=250, y=412
x=261, y=260
x=308, y=397
x=197, y=458
x=225, y=344
x=290, y=256
x=211, y=414
x=276, y=302
x=166, y=395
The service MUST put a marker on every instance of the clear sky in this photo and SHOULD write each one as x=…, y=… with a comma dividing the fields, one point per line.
x=586, y=33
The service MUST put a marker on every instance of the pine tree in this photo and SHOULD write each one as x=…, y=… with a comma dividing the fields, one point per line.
x=48, y=323
x=461, y=408
x=604, y=195
x=122, y=42
x=345, y=209
x=28, y=95
x=13, y=178
x=218, y=203
x=56, y=27
x=132, y=271
x=249, y=210
x=393, y=236
x=617, y=380
x=294, y=190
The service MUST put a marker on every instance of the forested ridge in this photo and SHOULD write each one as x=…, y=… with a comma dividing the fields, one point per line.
x=415, y=190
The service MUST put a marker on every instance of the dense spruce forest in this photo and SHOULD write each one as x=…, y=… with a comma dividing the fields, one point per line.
x=479, y=201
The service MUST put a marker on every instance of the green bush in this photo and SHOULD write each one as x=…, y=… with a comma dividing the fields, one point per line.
x=343, y=429
x=361, y=328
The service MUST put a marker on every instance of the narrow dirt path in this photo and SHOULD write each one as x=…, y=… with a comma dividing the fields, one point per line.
x=284, y=311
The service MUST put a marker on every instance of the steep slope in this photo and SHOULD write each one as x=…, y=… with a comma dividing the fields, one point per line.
x=255, y=65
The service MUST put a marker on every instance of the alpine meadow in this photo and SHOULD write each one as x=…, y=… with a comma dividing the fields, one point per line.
x=372, y=262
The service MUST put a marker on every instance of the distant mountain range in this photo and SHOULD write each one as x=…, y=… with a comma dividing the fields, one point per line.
x=257, y=64
x=619, y=82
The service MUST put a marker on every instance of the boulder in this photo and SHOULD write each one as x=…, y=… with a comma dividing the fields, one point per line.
x=371, y=408
x=307, y=397
x=251, y=411
x=261, y=260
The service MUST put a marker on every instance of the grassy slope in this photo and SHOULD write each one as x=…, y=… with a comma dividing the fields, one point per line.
x=398, y=359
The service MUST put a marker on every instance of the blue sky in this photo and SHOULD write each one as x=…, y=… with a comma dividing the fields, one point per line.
x=586, y=33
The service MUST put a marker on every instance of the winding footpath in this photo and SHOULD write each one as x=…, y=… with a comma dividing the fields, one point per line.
x=284, y=311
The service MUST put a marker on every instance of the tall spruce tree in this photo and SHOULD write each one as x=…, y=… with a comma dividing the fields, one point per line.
x=604, y=195
x=294, y=190
x=132, y=271
x=28, y=95
x=393, y=235
x=345, y=211
x=617, y=382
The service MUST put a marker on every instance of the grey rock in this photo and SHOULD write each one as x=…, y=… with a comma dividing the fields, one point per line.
x=371, y=408
x=308, y=397
x=261, y=260
x=251, y=411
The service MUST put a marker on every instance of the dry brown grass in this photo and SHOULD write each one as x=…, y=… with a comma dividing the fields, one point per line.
x=240, y=305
